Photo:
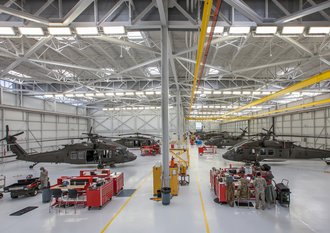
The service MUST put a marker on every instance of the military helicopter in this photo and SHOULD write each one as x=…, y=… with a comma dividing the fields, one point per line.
x=209, y=135
x=226, y=139
x=137, y=141
x=276, y=150
x=94, y=152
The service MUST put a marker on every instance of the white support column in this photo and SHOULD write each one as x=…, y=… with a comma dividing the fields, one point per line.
x=178, y=98
x=165, y=107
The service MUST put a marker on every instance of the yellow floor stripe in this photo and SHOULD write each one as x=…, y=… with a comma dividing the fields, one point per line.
x=125, y=204
x=200, y=195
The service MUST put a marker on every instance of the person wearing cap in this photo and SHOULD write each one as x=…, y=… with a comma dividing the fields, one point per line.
x=260, y=186
x=43, y=177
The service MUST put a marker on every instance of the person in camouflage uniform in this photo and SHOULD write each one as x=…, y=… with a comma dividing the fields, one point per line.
x=230, y=194
x=243, y=191
x=260, y=186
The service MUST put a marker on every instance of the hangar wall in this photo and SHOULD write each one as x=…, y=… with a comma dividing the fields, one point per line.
x=313, y=122
x=149, y=121
x=39, y=120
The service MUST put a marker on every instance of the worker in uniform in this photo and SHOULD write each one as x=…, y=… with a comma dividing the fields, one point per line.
x=243, y=190
x=43, y=177
x=230, y=192
x=260, y=186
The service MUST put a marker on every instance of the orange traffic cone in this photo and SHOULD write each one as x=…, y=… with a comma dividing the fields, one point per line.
x=215, y=151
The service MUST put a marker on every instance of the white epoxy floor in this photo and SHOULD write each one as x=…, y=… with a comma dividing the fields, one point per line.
x=308, y=212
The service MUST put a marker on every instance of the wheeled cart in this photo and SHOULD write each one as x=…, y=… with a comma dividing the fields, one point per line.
x=97, y=196
x=283, y=192
x=206, y=149
x=118, y=182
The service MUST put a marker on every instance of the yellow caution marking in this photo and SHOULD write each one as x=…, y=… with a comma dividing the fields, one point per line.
x=125, y=204
x=200, y=195
x=326, y=172
x=17, y=176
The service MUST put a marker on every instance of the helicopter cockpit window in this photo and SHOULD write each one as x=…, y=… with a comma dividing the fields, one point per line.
x=118, y=152
x=252, y=152
x=271, y=152
x=263, y=151
x=74, y=155
x=239, y=150
x=81, y=155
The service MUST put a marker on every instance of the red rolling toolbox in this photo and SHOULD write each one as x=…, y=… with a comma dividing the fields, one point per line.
x=118, y=181
x=98, y=195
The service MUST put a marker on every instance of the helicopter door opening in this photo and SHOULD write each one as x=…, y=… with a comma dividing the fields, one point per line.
x=91, y=156
x=137, y=143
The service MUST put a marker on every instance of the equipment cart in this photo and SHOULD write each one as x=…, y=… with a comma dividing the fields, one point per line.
x=28, y=186
x=206, y=149
x=118, y=182
x=148, y=150
x=283, y=193
x=99, y=194
x=2, y=185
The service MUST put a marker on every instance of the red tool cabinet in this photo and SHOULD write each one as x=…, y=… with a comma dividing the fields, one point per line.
x=118, y=181
x=98, y=195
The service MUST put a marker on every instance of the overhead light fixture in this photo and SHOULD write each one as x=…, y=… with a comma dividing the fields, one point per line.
x=109, y=94
x=129, y=93
x=170, y=106
x=217, y=106
x=114, y=30
x=266, y=30
x=110, y=109
x=158, y=107
x=149, y=93
x=266, y=92
x=120, y=93
x=60, y=31
x=129, y=108
x=217, y=30
x=205, y=106
x=31, y=31
x=152, y=107
x=216, y=92
x=239, y=30
x=198, y=92
x=146, y=107
x=141, y=107
x=207, y=92
x=59, y=95
x=227, y=92
x=246, y=92
x=89, y=94
x=139, y=93
x=69, y=95
x=79, y=95
x=236, y=92
x=134, y=108
x=123, y=108
x=293, y=30
x=134, y=35
x=104, y=109
x=117, y=108
x=99, y=94
x=7, y=31
x=318, y=31
x=49, y=96
x=158, y=92
x=87, y=31
x=256, y=93
x=211, y=106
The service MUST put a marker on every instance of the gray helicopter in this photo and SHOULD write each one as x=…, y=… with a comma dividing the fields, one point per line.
x=94, y=152
x=226, y=139
x=254, y=151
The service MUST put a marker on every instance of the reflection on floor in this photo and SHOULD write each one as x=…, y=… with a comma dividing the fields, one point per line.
x=308, y=212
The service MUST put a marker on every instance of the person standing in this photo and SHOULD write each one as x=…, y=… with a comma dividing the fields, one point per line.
x=260, y=186
x=43, y=177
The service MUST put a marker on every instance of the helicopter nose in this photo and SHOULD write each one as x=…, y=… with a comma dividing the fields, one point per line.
x=225, y=155
x=132, y=157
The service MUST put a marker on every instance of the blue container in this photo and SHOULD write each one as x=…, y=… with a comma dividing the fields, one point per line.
x=199, y=142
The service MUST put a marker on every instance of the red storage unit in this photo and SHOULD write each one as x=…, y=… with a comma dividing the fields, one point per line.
x=118, y=181
x=97, y=196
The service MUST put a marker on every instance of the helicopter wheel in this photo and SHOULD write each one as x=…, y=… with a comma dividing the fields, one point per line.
x=100, y=166
x=256, y=163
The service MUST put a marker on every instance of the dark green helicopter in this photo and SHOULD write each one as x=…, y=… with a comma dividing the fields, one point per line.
x=226, y=139
x=254, y=151
x=137, y=141
x=94, y=152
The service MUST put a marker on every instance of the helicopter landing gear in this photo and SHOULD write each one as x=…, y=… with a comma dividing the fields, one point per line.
x=32, y=166
x=256, y=163
x=100, y=166
x=327, y=162
x=112, y=165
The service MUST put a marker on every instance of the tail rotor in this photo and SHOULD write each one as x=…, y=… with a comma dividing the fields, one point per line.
x=10, y=138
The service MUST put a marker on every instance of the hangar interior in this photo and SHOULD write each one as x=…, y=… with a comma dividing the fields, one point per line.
x=118, y=67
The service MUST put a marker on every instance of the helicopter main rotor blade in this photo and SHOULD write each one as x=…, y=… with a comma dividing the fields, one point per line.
x=16, y=134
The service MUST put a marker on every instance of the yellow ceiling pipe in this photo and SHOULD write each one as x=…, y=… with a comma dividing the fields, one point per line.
x=205, y=21
x=216, y=118
x=295, y=107
x=315, y=79
x=288, y=109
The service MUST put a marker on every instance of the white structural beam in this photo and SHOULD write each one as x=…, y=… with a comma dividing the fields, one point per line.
x=144, y=12
x=161, y=11
x=74, y=13
x=296, y=44
x=126, y=43
x=43, y=7
x=111, y=11
x=325, y=15
x=185, y=13
x=305, y=12
x=279, y=5
x=23, y=15
x=245, y=10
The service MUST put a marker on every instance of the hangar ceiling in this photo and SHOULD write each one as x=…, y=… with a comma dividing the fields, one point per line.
x=101, y=70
